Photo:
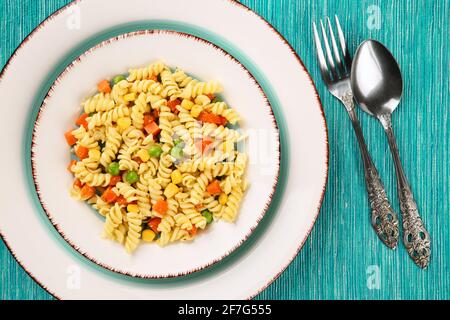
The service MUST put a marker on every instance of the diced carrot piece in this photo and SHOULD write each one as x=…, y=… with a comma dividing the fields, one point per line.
x=223, y=121
x=154, y=77
x=210, y=96
x=203, y=144
x=100, y=189
x=138, y=160
x=82, y=152
x=78, y=183
x=161, y=206
x=152, y=128
x=199, y=206
x=71, y=163
x=154, y=223
x=114, y=180
x=155, y=113
x=109, y=196
x=104, y=86
x=172, y=104
x=87, y=192
x=122, y=201
x=193, y=230
x=71, y=140
x=214, y=188
x=148, y=118
x=81, y=121
x=212, y=118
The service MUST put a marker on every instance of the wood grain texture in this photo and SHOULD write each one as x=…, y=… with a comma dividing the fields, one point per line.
x=343, y=252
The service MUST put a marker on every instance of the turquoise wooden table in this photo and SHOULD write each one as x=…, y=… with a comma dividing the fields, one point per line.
x=342, y=258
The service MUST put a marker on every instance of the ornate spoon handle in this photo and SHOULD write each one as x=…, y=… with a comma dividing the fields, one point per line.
x=383, y=218
x=415, y=237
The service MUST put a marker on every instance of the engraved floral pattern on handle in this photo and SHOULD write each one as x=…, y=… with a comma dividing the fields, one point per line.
x=415, y=236
x=383, y=218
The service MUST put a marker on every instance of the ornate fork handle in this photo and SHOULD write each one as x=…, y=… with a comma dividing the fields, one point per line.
x=415, y=236
x=383, y=218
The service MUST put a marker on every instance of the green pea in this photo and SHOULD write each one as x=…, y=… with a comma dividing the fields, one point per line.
x=177, y=152
x=118, y=78
x=113, y=168
x=155, y=151
x=208, y=215
x=178, y=142
x=131, y=177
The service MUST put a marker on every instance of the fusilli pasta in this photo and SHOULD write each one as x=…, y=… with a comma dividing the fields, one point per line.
x=156, y=157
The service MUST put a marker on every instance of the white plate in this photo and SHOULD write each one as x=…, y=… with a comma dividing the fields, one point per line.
x=79, y=225
x=278, y=238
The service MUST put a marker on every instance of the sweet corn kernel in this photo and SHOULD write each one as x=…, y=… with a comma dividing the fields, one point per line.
x=223, y=198
x=187, y=104
x=176, y=177
x=133, y=208
x=143, y=154
x=94, y=154
x=171, y=190
x=195, y=111
x=227, y=147
x=130, y=96
x=124, y=123
x=148, y=235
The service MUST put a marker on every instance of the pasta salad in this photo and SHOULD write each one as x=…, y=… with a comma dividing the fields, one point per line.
x=155, y=153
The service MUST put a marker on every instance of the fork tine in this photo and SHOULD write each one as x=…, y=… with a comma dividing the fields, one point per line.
x=320, y=56
x=345, y=53
x=337, y=57
x=328, y=51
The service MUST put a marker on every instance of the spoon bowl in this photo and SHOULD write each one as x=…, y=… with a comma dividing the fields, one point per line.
x=376, y=79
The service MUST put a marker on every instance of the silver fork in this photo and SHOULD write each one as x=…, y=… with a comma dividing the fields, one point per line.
x=336, y=75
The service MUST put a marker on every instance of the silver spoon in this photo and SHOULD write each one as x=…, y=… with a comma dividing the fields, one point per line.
x=377, y=87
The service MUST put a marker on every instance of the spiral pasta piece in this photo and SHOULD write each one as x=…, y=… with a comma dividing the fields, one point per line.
x=234, y=199
x=99, y=102
x=107, y=118
x=200, y=187
x=166, y=135
x=112, y=145
x=147, y=72
x=119, y=91
x=170, y=86
x=181, y=78
x=212, y=205
x=146, y=86
x=197, y=219
x=134, y=231
x=79, y=133
x=125, y=158
x=165, y=170
x=156, y=101
x=143, y=197
x=182, y=221
x=138, y=110
x=180, y=235
x=101, y=206
x=221, y=108
x=194, y=89
x=155, y=190
x=112, y=222
x=166, y=224
x=127, y=191
x=121, y=232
